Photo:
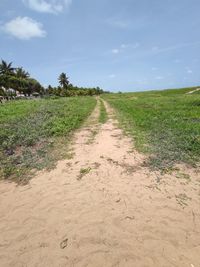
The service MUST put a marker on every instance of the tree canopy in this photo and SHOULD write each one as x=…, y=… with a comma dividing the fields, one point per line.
x=16, y=80
x=63, y=80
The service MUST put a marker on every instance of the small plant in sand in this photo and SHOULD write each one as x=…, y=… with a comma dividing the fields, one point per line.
x=83, y=172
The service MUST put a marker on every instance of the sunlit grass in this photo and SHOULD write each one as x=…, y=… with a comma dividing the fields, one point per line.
x=34, y=134
x=103, y=114
x=164, y=124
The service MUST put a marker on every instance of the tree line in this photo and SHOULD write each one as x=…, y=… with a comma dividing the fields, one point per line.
x=18, y=82
x=14, y=80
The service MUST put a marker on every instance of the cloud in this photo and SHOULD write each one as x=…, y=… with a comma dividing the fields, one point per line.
x=134, y=46
x=24, y=28
x=177, y=60
x=112, y=76
x=189, y=71
x=124, y=47
x=159, y=77
x=158, y=50
x=119, y=23
x=155, y=49
x=126, y=23
x=115, y=51
x=50, y=6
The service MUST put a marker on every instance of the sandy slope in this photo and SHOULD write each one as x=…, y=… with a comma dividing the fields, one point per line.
x=101, y=208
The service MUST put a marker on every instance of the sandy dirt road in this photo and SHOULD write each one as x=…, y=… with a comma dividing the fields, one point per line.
x=102, y=208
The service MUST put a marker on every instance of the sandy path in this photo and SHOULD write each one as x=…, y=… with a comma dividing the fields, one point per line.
x=101, y=208
x=193, y=91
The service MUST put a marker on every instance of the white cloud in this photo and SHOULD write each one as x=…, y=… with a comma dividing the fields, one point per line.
x=159, y=77
x=115, y=51
x=189, y=71
x=123, y=47
x=48, y=6
x=157, y=49
x=134, y=46
x=24, y=28
x=112, y=76
x=119, y=23
x=124, y=23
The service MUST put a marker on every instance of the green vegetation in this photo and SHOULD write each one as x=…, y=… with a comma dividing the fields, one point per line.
x=14, y=80
x=71, y=90
x=17, y=83
x=34, y=133
x=103, y=114
x=63, y=80
x=164, y=124
x=83, y=172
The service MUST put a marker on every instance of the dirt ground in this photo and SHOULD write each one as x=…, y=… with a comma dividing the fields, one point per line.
x=102, y=208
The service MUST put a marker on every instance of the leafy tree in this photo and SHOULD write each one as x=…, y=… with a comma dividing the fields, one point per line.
x=6, y=68
x=6, y=81
x=63, y=80
x=50, y=90
x=21, y=73
x=33, y=86
x=20, y=80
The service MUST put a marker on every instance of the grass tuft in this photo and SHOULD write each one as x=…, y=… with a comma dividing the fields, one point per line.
x=103, y=114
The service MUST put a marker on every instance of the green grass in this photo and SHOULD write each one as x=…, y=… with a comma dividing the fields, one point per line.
x=164, y=124
x=83, y=172
x=103, y=114
x=34, y=134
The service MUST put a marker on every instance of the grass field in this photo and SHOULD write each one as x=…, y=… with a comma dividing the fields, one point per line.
x=164, y=124
x=34, y=134
x=103, y=114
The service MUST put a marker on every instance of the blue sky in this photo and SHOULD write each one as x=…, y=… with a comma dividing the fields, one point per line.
x=124, y=45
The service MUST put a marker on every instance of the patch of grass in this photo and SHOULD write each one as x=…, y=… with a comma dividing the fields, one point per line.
x=182, y=199
x=103, y=114
x=34, y=134
x=91, y=139
x=181, y=175
x=164, y=124
x=83, y=172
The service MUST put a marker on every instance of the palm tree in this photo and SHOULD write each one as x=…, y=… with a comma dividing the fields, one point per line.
x=6, y=68
x=21, y=73
x=63, y=80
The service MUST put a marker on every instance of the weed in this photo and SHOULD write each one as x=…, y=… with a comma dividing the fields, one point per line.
x=182, y=199
x=83, y=172
x=181, y=175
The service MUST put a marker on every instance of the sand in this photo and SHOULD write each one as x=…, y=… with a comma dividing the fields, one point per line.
x=102, y=208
